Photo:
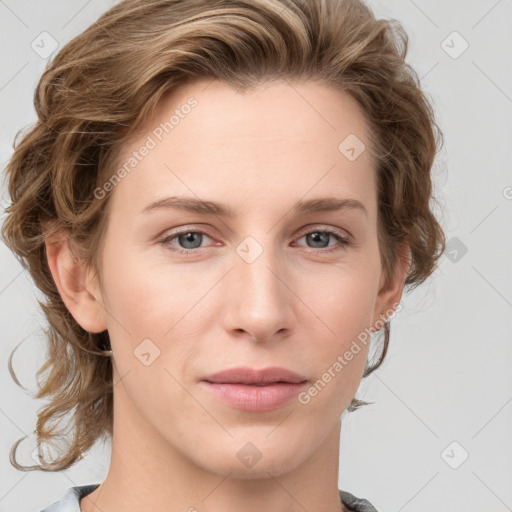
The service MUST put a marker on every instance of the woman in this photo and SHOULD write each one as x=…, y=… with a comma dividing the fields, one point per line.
x=221, y=201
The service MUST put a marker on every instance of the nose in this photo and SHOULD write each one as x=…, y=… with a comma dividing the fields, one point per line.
x=259, y=296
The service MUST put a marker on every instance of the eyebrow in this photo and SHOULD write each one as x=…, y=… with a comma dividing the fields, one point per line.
x=202, y=207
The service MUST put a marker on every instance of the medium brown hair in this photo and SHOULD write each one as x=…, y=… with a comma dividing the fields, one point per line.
x=109, y=79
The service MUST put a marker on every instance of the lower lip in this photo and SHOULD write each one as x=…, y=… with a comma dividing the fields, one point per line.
x=255, y=398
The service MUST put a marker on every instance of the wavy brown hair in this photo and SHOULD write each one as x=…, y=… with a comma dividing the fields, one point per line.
x=102, y=86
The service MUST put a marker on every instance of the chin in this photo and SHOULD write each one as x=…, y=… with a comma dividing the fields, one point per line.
x=249, y=462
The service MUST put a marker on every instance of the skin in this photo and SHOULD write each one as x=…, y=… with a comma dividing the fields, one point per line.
x=175, y=444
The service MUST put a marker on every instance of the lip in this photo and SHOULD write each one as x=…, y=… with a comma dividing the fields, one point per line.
x=250, y=389
x=248, y=375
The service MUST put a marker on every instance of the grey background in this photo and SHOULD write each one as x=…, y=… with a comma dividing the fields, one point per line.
x=447, y=374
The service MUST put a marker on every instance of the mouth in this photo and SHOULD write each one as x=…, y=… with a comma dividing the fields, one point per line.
x=248, y=375
x=255, y=390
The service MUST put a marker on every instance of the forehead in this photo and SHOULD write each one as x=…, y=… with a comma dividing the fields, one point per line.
x=273, y=110
x=205, y=136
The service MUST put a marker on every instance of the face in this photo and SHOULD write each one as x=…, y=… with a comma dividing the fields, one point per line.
x=191, y=291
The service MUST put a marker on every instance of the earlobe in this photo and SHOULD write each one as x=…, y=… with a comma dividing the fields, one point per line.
x=72, y=278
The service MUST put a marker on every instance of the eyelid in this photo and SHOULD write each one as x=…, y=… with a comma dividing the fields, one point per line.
x=167, y=236
x=322, y=227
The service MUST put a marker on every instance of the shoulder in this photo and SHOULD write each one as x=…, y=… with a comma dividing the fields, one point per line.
x=70, y=502
x=356, y=504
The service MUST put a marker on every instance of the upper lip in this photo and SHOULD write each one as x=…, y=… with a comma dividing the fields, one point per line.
x=247, y=375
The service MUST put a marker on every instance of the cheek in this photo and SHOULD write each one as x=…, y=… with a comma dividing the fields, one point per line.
x=146, y=299
x=148, y=308
x=342, y=340
x=343, y=298
x=343, y=305
x=157, y=313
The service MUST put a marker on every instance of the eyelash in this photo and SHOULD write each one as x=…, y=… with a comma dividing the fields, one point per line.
x=343, y=241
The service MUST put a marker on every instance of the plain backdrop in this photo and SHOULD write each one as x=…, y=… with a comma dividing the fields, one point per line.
x=438, y=435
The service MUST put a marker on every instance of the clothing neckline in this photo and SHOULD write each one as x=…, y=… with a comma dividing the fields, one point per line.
x=347, y=499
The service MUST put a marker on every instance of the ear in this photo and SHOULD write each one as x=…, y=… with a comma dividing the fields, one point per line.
x=77, y=286
x=390, y=289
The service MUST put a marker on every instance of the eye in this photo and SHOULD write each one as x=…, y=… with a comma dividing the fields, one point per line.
x=190, y=239
x=321, y=237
